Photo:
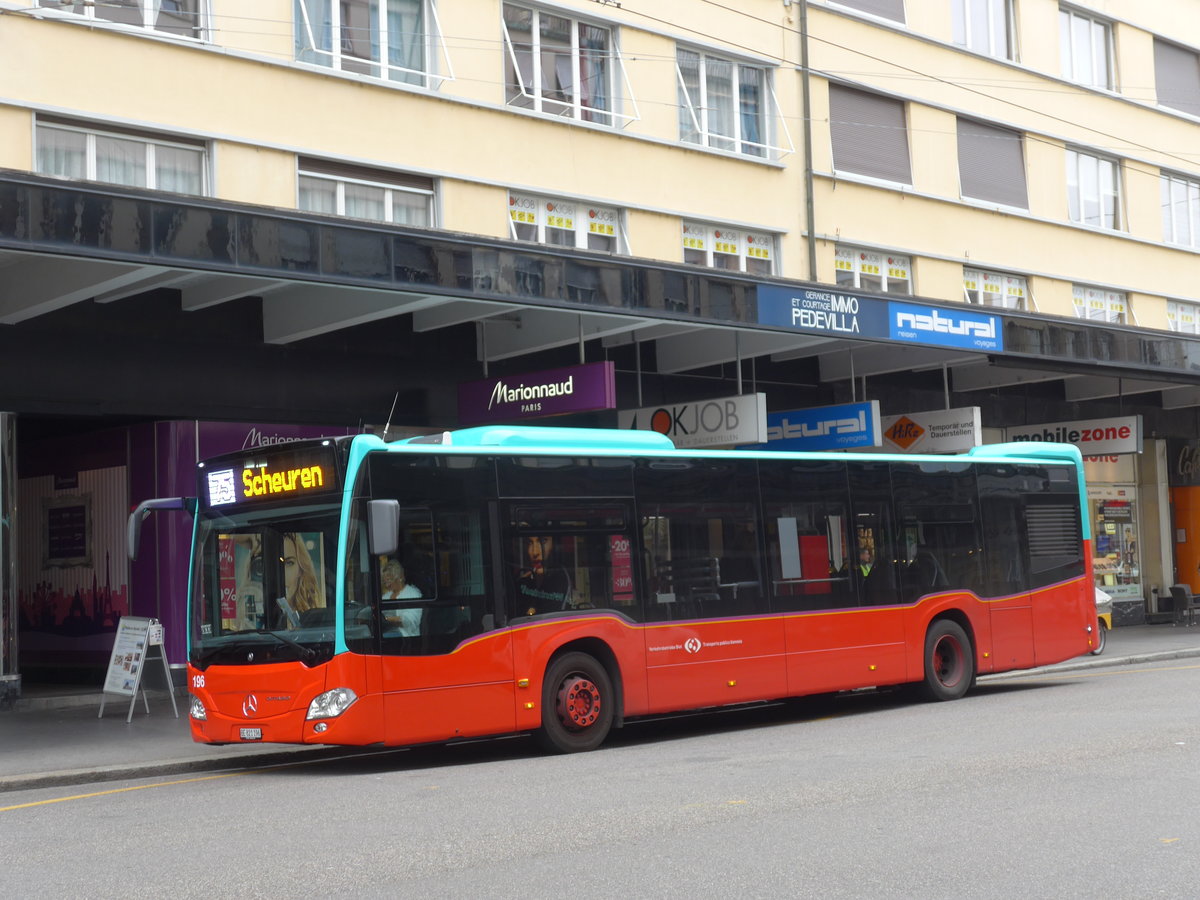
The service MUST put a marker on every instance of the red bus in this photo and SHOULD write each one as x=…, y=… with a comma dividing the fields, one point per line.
x=561, y=581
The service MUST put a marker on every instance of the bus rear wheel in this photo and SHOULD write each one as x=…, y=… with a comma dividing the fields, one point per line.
x=577, y=704
x=949, y=661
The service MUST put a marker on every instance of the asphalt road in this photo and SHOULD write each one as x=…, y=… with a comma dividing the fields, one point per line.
x=1078, y=785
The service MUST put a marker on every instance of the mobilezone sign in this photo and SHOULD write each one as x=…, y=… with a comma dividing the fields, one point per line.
x=850, y=315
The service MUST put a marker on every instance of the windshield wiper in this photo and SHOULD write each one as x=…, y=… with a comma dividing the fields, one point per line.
x=307, y=654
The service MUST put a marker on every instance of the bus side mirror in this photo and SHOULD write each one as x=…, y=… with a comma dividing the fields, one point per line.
x=134, y=537
x=383, y=526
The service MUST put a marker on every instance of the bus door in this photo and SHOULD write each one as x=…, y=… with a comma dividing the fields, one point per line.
x=445, y=660
x=708, y=640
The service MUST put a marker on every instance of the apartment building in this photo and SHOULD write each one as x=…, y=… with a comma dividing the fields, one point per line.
x=305, y=215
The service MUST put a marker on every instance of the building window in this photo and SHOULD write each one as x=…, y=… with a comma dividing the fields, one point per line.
x=985, y=26
x=1177, y=77
x=1180, y=209
x=1093, y=191
x=885, y=9
x=1100, y=305
x=180, y=17
x=868, y=270
x=722, y=103
x=726, y=247
x=1183, y=317
x=560, y=66
x=1086, y=44
x=116, y=158
x=564, y=223
x=357, y=193
x=991, y=165
x=870, y=135
x=396, y=40
x=995, y=289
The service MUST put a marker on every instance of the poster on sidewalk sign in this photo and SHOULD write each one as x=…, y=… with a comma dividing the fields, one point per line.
x=138, y=642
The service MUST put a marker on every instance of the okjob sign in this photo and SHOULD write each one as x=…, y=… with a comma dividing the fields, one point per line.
x=838, y=427
x=551, y=392
x=839, y=314
x=720, y=422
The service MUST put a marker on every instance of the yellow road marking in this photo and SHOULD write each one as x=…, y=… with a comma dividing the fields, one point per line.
x=138, y=787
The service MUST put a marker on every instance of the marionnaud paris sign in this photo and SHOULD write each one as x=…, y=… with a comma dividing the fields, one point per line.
x=720, y=422
x=839, y=314
x=838, y=427
x=551, y=392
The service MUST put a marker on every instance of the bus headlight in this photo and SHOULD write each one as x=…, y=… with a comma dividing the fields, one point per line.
x=331, y=704
x=197, y=711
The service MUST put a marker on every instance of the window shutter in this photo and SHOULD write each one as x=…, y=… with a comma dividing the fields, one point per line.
x=1177, y=77
x=990, y=164
x=885, y=9
x=869, y=134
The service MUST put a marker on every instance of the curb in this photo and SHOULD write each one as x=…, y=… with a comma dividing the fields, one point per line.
x=61, y=778
x=1097, y=662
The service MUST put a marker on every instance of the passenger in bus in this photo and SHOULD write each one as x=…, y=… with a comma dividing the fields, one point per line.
x=865, y=561
x=542, y=584
x=405, y=621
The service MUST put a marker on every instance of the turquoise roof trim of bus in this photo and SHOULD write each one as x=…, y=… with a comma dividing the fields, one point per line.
x=632, y=440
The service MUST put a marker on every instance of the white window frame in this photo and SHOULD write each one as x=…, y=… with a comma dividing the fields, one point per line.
x=984, y=287
x=548, y=214
x=390, y=189
x=1100, y=305
x=1070, y=49
x=435, y=46
x=965, y=32
x=1083, y=189
x=1183, y=318
x=1180, y=197
x=151, y=144
x=862, y=262
x=697, y=109
x=575, y=109
x=751, y=250
x=65, y=8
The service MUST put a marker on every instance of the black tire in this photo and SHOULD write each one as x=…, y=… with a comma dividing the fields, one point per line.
x=1101, y=638
x=578, y=702
x=949, y=661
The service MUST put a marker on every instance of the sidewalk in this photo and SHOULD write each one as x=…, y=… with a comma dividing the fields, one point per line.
x=54, y=736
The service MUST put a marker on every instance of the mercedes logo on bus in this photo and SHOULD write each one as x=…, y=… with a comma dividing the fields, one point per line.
x=249, y=705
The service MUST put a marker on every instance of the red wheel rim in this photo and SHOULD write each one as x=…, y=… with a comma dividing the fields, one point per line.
x=948, y=662
x=579, y=702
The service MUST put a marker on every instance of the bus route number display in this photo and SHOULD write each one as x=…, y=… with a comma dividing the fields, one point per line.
x=284, y=477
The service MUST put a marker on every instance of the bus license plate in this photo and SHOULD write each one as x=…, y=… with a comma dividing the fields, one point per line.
x=251, y=734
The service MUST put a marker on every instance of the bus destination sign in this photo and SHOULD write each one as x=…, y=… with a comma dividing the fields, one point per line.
x=289, y=475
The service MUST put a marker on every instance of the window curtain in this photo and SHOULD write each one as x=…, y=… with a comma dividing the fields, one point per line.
x=179, y=169
x=61, y=153
x=120, y=161
x=691, y=115
x=719, y=81
x=406, y=41
x=318, y=195
x=314, y=31
x=365, y=202
x=750, y=103
x=594, y=72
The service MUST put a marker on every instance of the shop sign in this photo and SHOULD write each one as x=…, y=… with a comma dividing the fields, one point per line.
x=720, y=422
x=841, y=314
x=935, y=431
x=216, y=438
x=841, y=427
x=1114, y=469
x=1184, y=457
x=551, y=392
x=1093, y=437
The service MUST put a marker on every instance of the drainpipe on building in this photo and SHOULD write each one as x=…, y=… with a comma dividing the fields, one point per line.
x=810, y=215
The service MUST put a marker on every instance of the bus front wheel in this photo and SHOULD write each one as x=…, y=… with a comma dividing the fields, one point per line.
x=577, y=704
x=949, y=661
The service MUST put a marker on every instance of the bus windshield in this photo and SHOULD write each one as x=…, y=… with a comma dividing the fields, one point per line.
x=264, y=586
